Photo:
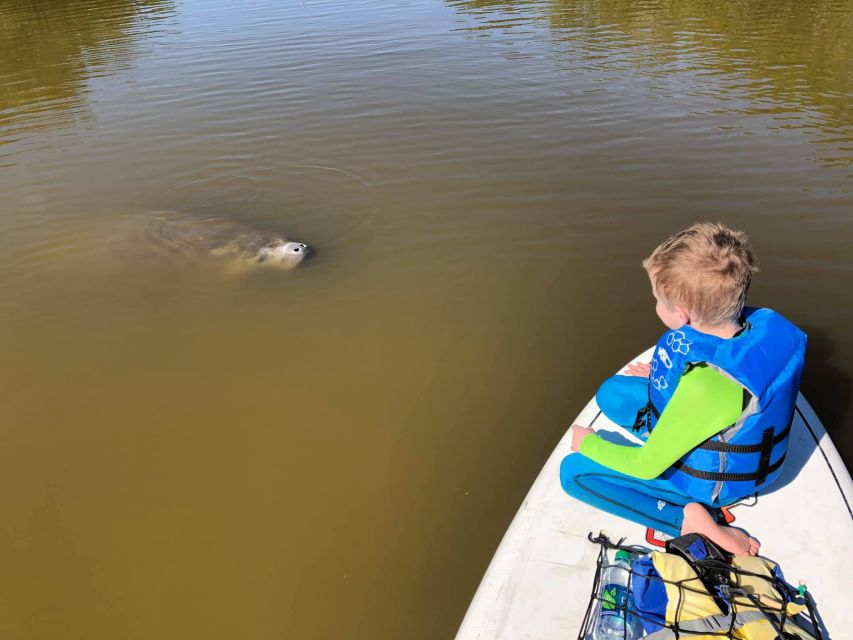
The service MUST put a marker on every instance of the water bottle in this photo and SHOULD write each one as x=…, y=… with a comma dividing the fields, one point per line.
x=612, y=623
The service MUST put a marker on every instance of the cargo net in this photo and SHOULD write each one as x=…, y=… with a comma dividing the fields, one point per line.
x=739, y=604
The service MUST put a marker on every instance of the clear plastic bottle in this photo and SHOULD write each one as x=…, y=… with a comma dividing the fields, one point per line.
x=611, y=623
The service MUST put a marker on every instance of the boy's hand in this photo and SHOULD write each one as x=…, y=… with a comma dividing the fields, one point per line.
x=578, y=435
x=639, y=369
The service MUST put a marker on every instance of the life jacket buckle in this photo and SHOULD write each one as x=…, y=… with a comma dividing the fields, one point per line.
x=643, y=419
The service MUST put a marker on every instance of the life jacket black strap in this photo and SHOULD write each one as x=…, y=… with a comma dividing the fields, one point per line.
x=760, y=475
x=725, y=447
x=644, y=415
x=653, y=410
x=764, y=461
x=642, y=419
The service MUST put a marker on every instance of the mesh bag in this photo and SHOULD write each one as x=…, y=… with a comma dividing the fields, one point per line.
x=705, y=594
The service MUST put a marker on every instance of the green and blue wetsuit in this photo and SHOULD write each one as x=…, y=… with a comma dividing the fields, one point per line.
x=719, y=411
x=624, y=480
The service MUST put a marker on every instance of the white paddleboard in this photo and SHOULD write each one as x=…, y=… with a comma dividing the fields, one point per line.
x=538, y=584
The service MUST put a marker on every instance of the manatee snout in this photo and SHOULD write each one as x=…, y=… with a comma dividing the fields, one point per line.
x=301, y=247
x=286, y=254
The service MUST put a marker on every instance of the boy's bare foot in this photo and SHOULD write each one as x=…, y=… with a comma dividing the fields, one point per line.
x=698, y=520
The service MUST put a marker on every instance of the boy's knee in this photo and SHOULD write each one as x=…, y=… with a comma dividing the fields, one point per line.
x=621, y=397
x=570, y=467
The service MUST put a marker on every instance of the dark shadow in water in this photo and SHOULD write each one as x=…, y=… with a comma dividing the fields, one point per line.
x=52, y=47
x=828, y=389
x=789, y=59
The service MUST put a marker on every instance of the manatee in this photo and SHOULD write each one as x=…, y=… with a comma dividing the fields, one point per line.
x=212, y=238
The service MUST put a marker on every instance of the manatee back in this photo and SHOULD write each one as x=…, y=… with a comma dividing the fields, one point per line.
x=214, y=238
x=203, y=237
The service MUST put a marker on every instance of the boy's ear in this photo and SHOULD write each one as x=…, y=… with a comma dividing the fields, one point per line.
x=683, y=315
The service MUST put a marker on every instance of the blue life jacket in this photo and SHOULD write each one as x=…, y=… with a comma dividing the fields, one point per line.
x=766, y=359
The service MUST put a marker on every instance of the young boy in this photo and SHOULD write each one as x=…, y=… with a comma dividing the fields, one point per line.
x=716, y=408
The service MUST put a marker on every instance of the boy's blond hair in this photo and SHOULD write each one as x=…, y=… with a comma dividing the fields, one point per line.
x=706, y=269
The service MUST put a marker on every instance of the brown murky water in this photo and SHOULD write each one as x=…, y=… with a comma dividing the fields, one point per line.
x=334, y=452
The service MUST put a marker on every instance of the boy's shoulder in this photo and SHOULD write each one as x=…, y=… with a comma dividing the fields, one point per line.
x=702, y=381
x=764, y=322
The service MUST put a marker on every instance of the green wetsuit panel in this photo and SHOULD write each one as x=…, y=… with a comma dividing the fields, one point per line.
x=704, y=403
